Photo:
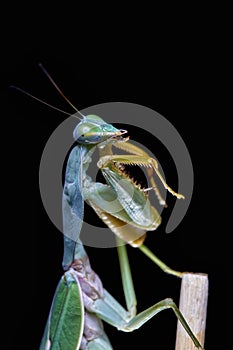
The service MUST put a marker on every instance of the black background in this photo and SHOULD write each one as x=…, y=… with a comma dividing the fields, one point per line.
x=175, y=72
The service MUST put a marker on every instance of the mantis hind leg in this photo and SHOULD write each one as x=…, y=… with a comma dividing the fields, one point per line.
x=112, y=312
x=137, y=321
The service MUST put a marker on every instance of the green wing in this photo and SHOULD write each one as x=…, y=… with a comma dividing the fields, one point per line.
x=64, y=328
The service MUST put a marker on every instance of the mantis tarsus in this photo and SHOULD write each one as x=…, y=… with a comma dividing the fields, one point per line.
x=80, y=302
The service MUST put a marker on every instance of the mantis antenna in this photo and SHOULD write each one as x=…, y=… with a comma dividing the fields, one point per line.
x=46, y=103
x=58, y=89
x=38, y=99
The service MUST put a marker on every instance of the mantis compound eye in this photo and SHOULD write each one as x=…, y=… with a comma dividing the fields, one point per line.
x=88, y=133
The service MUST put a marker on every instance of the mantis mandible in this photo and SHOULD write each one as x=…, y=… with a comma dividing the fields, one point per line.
x=80, y=302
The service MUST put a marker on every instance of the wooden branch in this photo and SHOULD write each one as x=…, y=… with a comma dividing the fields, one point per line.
x=193, y=305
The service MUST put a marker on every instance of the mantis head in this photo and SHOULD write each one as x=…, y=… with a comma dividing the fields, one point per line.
x=94, y=130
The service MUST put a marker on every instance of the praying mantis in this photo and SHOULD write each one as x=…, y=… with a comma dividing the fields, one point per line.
x=81, y=303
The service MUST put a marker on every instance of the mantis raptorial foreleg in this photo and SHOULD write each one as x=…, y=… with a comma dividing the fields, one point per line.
x=137, y=160
x=106, y=205
x=139, y=157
